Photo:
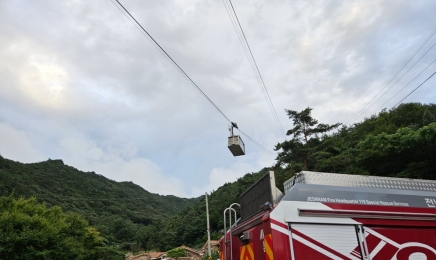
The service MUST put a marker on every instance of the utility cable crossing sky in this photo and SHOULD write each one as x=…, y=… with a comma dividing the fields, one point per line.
x=415, y=89
x=365, y=108
x=153, y=41
x=250, y=57
x=399, y=80
x=404, y=88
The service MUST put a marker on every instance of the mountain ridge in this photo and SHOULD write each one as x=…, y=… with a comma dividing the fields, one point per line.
x=98, y=198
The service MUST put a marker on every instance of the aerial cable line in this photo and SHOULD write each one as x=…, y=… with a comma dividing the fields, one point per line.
x=359, y=113
x=405, y=86
x=153, y=41
x=257, y=72
x=244, y=47
x=415, y=89
x=390, y=80
x=263, y=86
x=238, y=33
x=246, y=51
x=171, y=59
x=258, y=144
x=400, y=77
x=142, y=31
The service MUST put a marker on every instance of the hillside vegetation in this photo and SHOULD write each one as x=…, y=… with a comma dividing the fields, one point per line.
x=29, y=230
x=397, y=143
x=112, y=207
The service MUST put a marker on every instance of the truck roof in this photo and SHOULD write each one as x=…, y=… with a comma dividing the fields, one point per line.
x=361, y=195
x=359, y=181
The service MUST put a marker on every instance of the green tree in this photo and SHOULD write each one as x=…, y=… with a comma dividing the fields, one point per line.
x=29, y=230
x=176, y=253
x=406, y=153
x=304, y=138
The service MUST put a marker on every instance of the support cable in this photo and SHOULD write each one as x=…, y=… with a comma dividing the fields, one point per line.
x=414, y=89
x=246, y=51
x=258, y=144
x=238, y=33
x=390, y=80
x=153, y=41
x=171, y=59
x=400, y=78
x=263, y=86
x=404, y=86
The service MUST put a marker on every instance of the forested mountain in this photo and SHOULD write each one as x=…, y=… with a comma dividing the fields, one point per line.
x=397, y=143
x=108, y=205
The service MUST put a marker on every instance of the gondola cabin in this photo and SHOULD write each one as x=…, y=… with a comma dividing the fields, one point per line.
x=235, y=144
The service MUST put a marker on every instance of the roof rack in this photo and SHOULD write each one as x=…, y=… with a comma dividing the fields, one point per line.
x=348, y=180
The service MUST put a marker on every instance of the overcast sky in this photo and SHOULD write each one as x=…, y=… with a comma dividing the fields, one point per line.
x=79, y=82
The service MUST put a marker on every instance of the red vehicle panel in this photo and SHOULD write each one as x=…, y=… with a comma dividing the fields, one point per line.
x=401, y=243
x=328, y=222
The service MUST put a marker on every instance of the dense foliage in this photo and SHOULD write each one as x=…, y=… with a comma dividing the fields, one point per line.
x=176, y=253
x=29, y=230
x=396, y=143
x=119, y=210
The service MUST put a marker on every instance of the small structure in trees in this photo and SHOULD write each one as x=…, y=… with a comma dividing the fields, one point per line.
x=215, y=246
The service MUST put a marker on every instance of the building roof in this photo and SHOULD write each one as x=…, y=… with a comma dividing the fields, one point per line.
x=192, y=250
x=156, y=254
x=212, y=243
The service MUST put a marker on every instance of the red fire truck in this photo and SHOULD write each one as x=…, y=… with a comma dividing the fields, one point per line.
x=333, y=216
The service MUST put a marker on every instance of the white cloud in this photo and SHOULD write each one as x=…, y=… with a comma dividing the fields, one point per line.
x=15, y=145
x=44, y=82
x=119, y=164
x=253, y=162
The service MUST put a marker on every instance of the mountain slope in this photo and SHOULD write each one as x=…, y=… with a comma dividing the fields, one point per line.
x=100, y=200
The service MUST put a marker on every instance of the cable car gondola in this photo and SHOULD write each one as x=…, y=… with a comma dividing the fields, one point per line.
x=236, y=145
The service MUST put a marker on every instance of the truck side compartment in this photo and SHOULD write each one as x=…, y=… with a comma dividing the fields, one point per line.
x=364, y=220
